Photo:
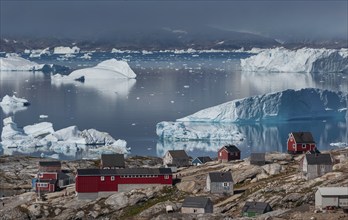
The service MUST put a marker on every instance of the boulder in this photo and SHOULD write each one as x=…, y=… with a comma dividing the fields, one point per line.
x=272, y=169
x=187, y=186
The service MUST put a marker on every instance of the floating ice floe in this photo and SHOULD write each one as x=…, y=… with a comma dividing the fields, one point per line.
x=305, y=60
x=70, y=139
x=218, y=122
x=16, y=63
x=12, y=104
x=66, y=50
x=339, y=144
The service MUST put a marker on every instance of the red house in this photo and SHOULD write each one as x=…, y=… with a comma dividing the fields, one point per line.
x=228, y=153
x=92, y=183
x=46, y=185
x=51, y=177
x=300, y=142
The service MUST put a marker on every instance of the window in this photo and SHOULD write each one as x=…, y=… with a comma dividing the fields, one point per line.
x=220, y=154
x=42, y=184
x=40, y=175
x=303, y=145
x=112, y=178
x=102, y=178
x=225, y=184
x=194, y=210
x=166, y=177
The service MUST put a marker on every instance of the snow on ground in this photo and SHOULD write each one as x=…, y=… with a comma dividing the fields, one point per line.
x=12, y=104
x=306, y=60
x=16, y=63
x=216, y=123
x=67, y=140
x=66, y=50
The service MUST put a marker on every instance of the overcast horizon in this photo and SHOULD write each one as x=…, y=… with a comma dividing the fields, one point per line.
x=103, y=19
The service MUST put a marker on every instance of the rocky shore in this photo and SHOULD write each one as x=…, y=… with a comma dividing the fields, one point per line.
x=279, y=183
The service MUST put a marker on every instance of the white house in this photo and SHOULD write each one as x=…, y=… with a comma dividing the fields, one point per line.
x=331, y=196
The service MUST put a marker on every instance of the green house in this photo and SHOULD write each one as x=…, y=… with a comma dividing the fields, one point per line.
x=252, y=209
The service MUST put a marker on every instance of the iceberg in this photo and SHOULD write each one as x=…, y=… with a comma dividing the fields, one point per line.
x=66, y=50
x=304, y=60
x=106, y=70
x=42, y=136
x=12, y=104
x=16, y=63
x=186, y=131
x=39, y=53
x=287, y=105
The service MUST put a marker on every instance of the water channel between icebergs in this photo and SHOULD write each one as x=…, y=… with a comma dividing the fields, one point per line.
x=167, y=87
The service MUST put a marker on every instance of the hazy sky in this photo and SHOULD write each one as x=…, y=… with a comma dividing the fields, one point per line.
x=92, y=18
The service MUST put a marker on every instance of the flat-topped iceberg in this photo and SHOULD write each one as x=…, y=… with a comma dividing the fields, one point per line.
x=43, y=136
x=66, y=50
x=304, y=60
x=16, y=63
x=287, y=105
x=12, y=104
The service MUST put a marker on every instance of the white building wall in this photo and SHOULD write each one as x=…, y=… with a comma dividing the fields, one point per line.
x=318, y=200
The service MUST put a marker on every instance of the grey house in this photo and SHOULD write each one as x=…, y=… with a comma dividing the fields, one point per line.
x=315, y=165
x=331, y=197
x=112, y=161
x=220, y=182
x=197, y=205
x=251, y=209
x=177, y=158
x=257, y=159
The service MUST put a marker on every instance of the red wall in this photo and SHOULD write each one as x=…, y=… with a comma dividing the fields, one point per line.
x=94, y=183
x=49, y=188
x=224, y=155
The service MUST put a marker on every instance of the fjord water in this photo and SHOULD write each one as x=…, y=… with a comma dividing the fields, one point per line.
x=168, y=86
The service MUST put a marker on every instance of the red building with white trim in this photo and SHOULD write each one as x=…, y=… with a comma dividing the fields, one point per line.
x=228, y=153
x=300, y=142
x=92, y=183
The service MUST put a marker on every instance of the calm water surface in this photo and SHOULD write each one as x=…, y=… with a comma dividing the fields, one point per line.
x=168, y=86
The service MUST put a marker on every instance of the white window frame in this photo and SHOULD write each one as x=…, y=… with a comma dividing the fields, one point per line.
x=42, y=184
x=112, y=178
x=166, y=177
x=303, y=145
x=224, y=184
x=102, y=178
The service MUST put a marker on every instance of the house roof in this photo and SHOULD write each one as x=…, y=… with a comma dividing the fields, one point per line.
x=333, y=191
x=112, y=160
x=258, y=207
x=195, y=202
x=178, y=154
x=231, y=148
x=127, y=171
x=303, y=137
x=257, y=156
x=220, y=177
x=50, y=163
x=203, y=159
x=321, y=159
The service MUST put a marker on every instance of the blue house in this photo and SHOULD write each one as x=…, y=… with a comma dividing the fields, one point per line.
x=201, y=160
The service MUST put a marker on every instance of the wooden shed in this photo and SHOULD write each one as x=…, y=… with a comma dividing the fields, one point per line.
x=197, y=205
x=251, y=209
x=300, y=142
x=228, y=153
x=178, y=158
